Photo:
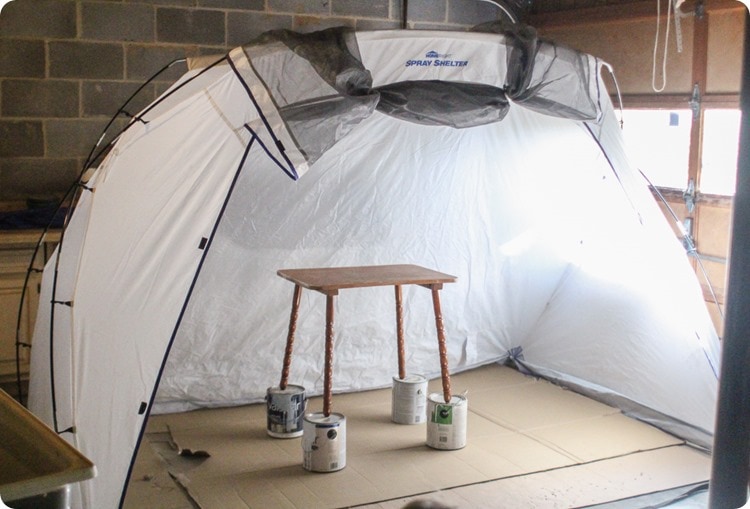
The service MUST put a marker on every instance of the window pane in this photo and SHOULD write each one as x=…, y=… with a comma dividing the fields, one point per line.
x=658, y=142
x=721, y=134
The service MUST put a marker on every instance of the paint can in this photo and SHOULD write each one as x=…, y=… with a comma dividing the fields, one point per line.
x=285, y=409
x=446, y=422
x=409, y=399
x=324, y=442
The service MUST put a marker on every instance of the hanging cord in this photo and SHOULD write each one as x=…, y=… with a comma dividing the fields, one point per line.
x=678, y=15
x=507, y=12
x=690, y=248
x=656, y=47
x=619, y=94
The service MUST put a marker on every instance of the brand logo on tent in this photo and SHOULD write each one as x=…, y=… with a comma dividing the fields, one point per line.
x=434, y=59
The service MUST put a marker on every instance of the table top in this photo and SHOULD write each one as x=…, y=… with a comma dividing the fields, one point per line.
x=329, y=280
x=35, y=459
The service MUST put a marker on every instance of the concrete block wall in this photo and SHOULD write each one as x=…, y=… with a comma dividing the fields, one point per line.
x=67, y=66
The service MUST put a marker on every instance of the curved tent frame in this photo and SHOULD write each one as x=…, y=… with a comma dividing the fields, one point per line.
x=491, y=155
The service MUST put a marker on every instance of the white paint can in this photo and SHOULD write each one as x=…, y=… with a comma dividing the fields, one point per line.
x=409, y=399
x=324, y=442
x=285, y=409
x=446, y=422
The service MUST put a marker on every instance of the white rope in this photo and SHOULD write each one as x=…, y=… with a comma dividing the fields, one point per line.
x=677, y=24
x=607, y=66
x=656, y=47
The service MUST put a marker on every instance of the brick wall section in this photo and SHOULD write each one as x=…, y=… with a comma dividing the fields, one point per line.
x=66, y=66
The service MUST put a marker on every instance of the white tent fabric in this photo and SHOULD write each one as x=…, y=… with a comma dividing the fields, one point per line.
x=564, y=261
x=135, y=270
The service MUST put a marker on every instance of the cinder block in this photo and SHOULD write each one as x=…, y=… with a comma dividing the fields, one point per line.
x=85, y=60
x=306, y=24
x=378, y=24
x=438, y=26
x=21, y=59
x=39, y=19
x=161, y=88
x=190, y=26
x=397, y=8
x=243, y=5
x=471, y=12
x=22, y=178
x=107, y=97
x=72, y=138
x=174, y=3
x=117, y=128
x=320, y=7
x=142, y=62
x=360, y=9
x=421, y=11
x=21, y=138
x=107, y=21
x=243, y=27
x=39, y=98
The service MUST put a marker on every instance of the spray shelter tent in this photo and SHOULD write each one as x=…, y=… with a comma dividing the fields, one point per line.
x=491, y=155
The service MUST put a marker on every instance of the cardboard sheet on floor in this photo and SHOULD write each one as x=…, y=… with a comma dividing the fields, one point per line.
x=522, y=432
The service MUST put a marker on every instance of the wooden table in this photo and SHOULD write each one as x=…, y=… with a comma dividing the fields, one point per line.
x=329, y=281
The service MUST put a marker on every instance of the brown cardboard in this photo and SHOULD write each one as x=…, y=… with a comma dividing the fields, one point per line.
x=529, y=442
x=578, y=485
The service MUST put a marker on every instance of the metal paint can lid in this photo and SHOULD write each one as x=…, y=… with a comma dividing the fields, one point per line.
x=290, y=389
x=322, y=421
x=410, y=379
x=438, y=398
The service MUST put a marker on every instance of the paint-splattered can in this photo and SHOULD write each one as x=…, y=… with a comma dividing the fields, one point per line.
x=285, y=409
x=409, y=399
x=446, y=422
x=324, y=442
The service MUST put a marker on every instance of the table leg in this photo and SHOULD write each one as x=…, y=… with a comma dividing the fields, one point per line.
x=328, y=379
x=290, y=337
x=400, y=333
x=441, y=345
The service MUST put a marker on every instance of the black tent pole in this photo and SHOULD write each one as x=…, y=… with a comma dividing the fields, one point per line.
x=731, y=451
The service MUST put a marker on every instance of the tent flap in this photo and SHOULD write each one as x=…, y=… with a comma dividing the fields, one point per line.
x=443, y=103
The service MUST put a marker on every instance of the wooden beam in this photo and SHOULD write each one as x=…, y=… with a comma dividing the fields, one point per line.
x=656, y=101
x=594, y=15
x=700, y=79
x=675, y=101
x=630, y=11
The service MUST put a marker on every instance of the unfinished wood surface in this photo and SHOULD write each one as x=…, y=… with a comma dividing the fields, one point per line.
x=331, y=279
